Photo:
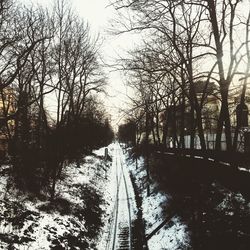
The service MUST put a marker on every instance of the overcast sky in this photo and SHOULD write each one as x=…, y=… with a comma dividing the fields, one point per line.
x=99, y=13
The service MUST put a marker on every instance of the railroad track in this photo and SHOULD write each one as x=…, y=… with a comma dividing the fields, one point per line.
x=121, y=226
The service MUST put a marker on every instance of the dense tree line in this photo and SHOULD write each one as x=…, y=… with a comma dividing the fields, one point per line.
x=50, y=78
x=188, y=47
x=127, y=132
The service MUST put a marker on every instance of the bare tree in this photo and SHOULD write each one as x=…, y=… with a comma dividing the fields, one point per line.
x=195, y=31
x=77, y=75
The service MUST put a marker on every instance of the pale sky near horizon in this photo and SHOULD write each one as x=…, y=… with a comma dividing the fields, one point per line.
x=99, y=13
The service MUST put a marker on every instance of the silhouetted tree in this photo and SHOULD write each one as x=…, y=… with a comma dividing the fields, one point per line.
x=127, y=133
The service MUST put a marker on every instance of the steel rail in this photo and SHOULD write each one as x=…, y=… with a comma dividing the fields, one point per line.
x=128, y=203
x=113, y=231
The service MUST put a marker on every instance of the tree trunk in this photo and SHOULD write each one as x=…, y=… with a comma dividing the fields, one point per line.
x=165, y=133
x=147, y=150
x=157, y=128
x=152, y=129
x=192, y=128
x=182, y=123
x=200, y=128
x=224, y=118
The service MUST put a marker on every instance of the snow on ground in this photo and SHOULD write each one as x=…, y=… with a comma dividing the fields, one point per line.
x=152, y=210
x=216, y=217
x=232, y=202
x=172, y=236
x=110, y=193
x=129, y=186
x=3, y=181
x=175, y=234
x=109, y=197
x=73, y=221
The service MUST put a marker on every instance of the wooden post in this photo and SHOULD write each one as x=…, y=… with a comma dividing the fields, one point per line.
x=106, y=154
